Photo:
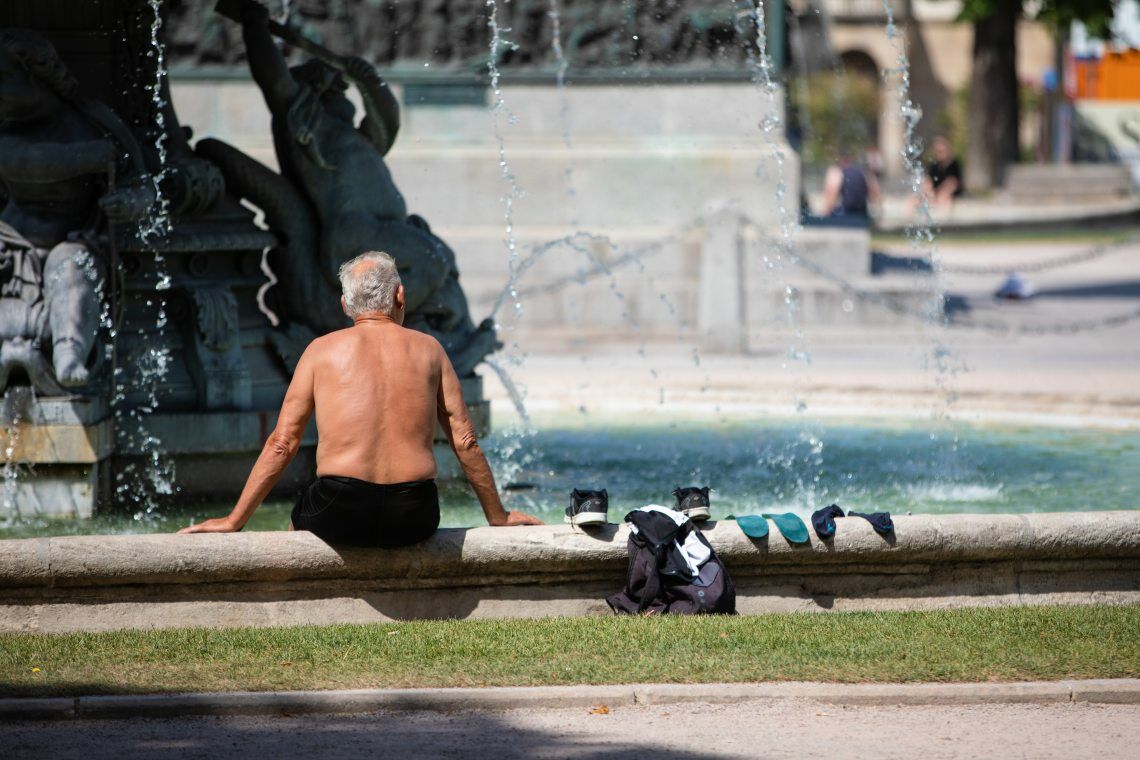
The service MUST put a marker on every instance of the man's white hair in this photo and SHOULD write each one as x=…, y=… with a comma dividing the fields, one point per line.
x=369, y=283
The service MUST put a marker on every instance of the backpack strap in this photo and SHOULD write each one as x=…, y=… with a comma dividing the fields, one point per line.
x=652, y=588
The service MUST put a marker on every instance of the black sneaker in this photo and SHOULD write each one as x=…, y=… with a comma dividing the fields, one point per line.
x=693, y=502
x=588, y=507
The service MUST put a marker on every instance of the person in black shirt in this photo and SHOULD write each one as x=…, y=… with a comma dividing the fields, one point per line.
x=943, y=181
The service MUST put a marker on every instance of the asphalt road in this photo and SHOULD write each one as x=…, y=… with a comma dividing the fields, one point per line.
x=776, y=729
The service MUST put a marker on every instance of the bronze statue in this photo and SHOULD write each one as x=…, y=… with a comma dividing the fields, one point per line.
x=339, y=170
x=58, y=155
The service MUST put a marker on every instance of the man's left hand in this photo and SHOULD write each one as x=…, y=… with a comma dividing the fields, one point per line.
x=216, y=525
x=515, y=517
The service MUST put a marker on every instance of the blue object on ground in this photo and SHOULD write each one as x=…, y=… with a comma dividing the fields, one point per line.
x=880, y=521
x=754, y=526
x=1015, y=288
x=823, y=520
x=791, y=526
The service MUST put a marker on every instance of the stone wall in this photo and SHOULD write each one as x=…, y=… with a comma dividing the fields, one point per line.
x=266, y=579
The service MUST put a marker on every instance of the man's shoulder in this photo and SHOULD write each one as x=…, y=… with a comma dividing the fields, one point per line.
x=422, y=341
x=332, y=338
x=322, y=345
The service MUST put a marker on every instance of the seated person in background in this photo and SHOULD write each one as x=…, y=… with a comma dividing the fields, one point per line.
x=943, y=181
x=378, y=389
x=848, y=191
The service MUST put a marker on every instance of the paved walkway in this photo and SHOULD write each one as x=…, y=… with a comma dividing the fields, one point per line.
x=777, y=729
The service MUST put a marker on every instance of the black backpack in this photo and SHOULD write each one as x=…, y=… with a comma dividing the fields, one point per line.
x=659, y=580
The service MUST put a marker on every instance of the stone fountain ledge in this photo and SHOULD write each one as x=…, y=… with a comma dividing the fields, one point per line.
x=265, y=579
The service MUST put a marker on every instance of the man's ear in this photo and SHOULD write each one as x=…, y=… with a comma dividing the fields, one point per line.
x=344, y=306
x=400, y=297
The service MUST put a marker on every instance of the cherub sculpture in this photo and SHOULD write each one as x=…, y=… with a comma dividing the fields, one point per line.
x=58, y=152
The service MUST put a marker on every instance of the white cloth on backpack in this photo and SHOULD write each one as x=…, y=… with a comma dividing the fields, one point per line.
x=692, y=549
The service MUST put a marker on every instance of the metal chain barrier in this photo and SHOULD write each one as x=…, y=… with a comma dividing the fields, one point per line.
x=636, y=255
x=1079, y=257
x=1062, y=328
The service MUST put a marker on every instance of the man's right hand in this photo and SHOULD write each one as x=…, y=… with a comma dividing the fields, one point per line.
x=252, y=12
x=515, y=517
x=215, y=525
x=360, y=70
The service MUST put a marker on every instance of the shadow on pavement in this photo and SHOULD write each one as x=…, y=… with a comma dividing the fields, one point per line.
x=885, y=262
x=1127, y=289
x=374, y=735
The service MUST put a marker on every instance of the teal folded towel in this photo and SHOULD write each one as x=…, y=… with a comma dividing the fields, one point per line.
x=792, y=527
x=754, y=526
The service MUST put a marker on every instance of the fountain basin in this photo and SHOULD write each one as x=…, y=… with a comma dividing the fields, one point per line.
x=278, y=578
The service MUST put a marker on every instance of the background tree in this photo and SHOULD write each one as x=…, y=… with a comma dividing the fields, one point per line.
x=994, y=118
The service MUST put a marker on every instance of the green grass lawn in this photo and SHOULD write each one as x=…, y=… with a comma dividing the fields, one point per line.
x=1011, y=644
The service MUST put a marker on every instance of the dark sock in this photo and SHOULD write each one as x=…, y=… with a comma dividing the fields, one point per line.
x=823, y=520
x=880, y=521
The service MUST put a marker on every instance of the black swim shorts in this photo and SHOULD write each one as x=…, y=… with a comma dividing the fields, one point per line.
x=358, y=513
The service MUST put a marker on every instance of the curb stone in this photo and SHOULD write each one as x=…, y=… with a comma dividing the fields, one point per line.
x=1114, y=691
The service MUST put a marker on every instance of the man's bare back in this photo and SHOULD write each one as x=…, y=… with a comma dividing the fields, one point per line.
x=378, y=389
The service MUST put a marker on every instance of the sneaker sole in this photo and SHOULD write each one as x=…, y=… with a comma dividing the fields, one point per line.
x=587, y=518
x=696, y=514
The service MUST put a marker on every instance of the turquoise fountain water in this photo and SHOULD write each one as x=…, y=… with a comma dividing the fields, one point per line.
x=756, y=466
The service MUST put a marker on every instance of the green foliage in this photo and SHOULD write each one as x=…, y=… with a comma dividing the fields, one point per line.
x=1095, y=14
x=1001, y=644
x=976, y=10
x=838, y=114
x=953, y=121
x=1031, y=101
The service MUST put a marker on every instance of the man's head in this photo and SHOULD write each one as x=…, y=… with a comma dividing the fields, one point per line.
x=32, y=77
x=370, y=284
x=942, y=150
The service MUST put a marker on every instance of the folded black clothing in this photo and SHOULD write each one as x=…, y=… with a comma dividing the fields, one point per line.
x=823, y=520
x=880, y=521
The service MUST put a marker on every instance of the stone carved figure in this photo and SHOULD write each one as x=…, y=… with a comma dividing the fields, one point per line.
x=58, y=153
x=635, y=37
x=354, y=204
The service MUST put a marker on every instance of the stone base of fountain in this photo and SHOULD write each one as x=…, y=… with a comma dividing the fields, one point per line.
x=60, y=450
x=92, y=583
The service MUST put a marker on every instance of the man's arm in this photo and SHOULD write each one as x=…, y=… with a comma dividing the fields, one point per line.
x=945, y=192
x=874, y=192
x=278, y=452
x=381, y=110
x=456, y=423
x=832, y=184
x=266, y=63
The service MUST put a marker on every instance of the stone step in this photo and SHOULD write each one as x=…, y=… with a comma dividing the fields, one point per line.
x=1079, y=183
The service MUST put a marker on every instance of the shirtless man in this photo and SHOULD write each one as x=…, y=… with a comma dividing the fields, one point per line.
x=377, y=389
